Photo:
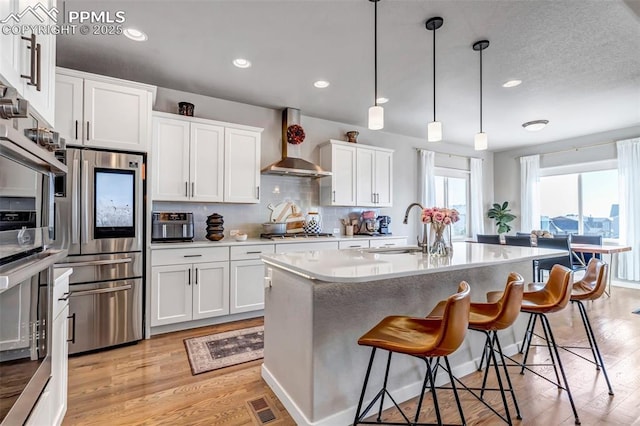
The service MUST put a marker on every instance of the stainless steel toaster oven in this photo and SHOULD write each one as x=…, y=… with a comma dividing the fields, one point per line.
x=168, y=226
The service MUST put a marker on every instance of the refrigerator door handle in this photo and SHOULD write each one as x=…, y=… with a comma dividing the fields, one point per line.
x=101, y=290
x=85, y=212
x=74, y=202
x=94, y=263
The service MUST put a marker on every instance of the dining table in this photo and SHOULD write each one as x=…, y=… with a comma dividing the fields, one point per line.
x=610, y=249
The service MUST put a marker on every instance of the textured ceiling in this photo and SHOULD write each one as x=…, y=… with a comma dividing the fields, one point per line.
x=579, y=60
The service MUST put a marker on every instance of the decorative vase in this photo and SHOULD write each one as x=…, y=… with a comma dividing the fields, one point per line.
x=439, y=246
x=352, y=136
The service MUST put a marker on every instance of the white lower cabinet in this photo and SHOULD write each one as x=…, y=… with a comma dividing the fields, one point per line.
x=247, y=277
x=183, y=289
x=293, y=247
x=353, y=244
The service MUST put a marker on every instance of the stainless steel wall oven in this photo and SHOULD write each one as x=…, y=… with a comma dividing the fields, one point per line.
x=27, y=169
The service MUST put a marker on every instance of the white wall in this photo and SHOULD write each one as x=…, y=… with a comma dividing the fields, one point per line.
x=595, y=147
x=302, y=190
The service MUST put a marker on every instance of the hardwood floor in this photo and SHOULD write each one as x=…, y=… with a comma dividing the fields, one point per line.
x=151, y=383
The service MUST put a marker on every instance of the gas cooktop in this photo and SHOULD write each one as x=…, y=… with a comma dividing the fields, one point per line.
x=296, y=235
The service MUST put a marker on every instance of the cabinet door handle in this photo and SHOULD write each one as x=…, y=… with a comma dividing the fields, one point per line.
x=355, y=246
x=72, y=317
x=186, y=189
x=377, y=198
x=254, y=252
x=64, y=297
x=390, y=244
x=189, y=280
x=334, y=196
x=193, y=188
x=32, y=46
x=76, y=129
x=38, y=68
x=196, y=276
x=192, y=255
x=88, y=131
x=373, y=198
x=258, y=192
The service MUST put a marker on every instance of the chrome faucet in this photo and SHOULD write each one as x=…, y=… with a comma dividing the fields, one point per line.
x=424, y=245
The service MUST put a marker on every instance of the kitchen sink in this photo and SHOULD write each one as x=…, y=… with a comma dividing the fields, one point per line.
x=394, y=250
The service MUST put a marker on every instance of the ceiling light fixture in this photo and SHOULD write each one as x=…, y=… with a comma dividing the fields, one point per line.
x=434, y=129
x=135, y=35
x=534, y=126
x=376, y=112
x=321, y=84
x=512, y=83
x=382, y=100
x=481, y=141
x=242, y=63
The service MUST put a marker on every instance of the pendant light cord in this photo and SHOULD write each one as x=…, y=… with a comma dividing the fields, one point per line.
x=480, y=90
x=434, y=74
x=375, y=52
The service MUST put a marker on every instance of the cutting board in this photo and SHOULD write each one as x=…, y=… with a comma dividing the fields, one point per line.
x=280, y=211
x=295, y=220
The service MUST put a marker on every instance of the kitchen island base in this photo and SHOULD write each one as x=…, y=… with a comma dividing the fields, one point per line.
x=312, y=361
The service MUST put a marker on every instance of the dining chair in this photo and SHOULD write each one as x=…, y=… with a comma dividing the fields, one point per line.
x=518, y=240
x=558, y=243
x=488, y=239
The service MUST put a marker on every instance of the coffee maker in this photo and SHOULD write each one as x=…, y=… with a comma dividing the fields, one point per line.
x=383, y=227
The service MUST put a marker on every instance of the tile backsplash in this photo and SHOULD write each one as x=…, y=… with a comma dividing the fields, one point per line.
x=248, y=218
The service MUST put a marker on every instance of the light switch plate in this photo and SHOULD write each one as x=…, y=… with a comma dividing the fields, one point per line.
x=336, y=231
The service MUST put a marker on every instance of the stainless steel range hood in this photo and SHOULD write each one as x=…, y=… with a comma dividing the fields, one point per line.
x=292, y=166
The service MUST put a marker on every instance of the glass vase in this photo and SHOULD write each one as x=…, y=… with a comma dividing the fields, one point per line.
x=439, y=246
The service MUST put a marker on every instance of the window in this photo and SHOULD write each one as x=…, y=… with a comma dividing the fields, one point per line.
x=452, y=193
x=580, y=203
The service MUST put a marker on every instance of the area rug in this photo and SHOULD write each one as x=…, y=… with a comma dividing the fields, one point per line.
x=221, y=350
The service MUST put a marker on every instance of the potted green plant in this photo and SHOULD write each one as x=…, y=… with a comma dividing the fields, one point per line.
x=502, y=215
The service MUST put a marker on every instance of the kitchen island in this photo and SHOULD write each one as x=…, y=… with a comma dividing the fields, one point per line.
x=318, y=303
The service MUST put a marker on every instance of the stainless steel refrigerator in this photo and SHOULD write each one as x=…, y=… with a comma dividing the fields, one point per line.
x=99, y=211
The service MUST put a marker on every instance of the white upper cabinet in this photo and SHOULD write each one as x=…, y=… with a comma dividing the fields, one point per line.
x=103, y=112
x=242, y=166
x=207, y=155
x=362, y=175
x=203, y=160
x=169, y=163
x=27, y=60
x=340, y=188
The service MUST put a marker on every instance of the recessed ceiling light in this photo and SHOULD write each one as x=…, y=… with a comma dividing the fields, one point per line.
x=534, y=126
x=321, y=84
x=135, y=35
x=382, y=100
x=512, y=83
x=242, y=63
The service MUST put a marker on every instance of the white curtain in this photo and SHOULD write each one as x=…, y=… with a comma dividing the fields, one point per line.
x=426, y=178
x=629, y=187
x=529, y=193
x=476, y=202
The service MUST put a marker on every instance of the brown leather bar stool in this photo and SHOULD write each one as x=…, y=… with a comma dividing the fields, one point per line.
x=541, y=299
x=488, y=318
x=591, y=287
x=423, y=338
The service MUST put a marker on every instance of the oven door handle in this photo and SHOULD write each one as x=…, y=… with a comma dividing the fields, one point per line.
x=94, y=263
x=72, y=317
x=101, y=290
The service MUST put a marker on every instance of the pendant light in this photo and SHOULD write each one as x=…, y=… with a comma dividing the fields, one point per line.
x=376, y=112
x=480, y=141
x=434, y=129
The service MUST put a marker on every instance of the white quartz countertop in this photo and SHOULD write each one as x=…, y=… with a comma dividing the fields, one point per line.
x=350, y=266
x=251, y=241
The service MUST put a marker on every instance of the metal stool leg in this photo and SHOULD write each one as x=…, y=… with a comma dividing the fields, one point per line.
x=587, y=326
x=506, y=373
x=497, y=371
x=455, y=391
x=526, y=335
x=384, y=386
x=364, y=386
x=547, y=326
x=530, y=334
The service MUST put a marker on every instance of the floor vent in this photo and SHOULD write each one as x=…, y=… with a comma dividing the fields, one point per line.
x=263, y=410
